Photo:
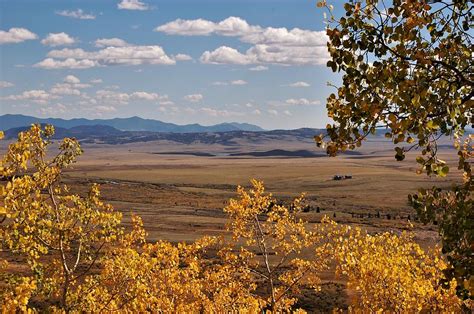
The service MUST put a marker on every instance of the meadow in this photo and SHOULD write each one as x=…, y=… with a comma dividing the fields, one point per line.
x=181, y=194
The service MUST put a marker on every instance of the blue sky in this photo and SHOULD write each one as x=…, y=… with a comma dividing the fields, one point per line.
x=206, y=62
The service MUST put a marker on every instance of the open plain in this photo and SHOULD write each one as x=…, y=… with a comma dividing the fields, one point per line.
x=180, y=189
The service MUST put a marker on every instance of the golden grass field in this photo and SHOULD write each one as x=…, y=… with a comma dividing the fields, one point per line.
x=181, y=196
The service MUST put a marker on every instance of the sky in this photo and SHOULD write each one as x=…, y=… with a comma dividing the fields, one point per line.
x=260, y=62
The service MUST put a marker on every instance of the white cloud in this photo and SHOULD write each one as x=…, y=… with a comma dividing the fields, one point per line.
x=58, y=39
x=257, y=112
x=165, y=101
x=115, y=97
x=112, y=87
x=285, y=37
x=273, y=112
x=81, y=59
x=74, y=82
x=259, y=68
x=299, y=84
x=302, y=102
x=145, y=96
x=194, y=97
x=69, y=63
x=219, y=83
x=111, y=97
x=271, y=45
x=110, y=42
x=287, y=55
x=77, y=14
x=287, y=112
x=249, y=105
x=105, y=109
x=5, y=84
x=182, y=57
x=81, y=85
x=64, y=89
x=37, y=95
x=232, y=26
x=52, y=110
x=219, y=113
x=234, y=82
x=267, y=54
x=16, y=35
x=238, y=82
x=235, y=26
x=187, y=27
x=225, y=55
x=97, y=81
x=132, y=5
x=71, y=79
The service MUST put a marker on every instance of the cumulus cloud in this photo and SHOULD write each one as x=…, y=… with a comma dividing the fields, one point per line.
x=146, y=96
x=234, y=82
x=273, y=112
x=219, y=83
x=74, y=82
x=225, y=55
x=5, y=84
x=58, y=39
x=71, y=79
x=64, y=89
x=219, y=113
x=187, y=27
x=231, y=26
x=282, y=36
x=259, y=68
x=238, y=82
x=96, y=81
x=108, y=96
x=36, y=95
x=105, y=109
x=104, y=96
x=182, y=57
x=271, y=45
x=16, y=35
x=110, y=42
x=287, y=112
x=302, y=102
x=257, y=112
x=299, y=84
x=130, y=55
x=69, y=63
x=52, y=110
x=267, y=54
x=194, y=97
x=132, y=5
x=76, y=14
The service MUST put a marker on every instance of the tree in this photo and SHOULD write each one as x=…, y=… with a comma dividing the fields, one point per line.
x=273, y=240
x=391, y=272
x=61, y=234
x=408, y=68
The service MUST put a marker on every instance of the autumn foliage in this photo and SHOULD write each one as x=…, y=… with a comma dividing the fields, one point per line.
x=80, y=258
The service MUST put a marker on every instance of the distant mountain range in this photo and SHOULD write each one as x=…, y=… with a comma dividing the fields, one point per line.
x=104, y=134
x=10, y=121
